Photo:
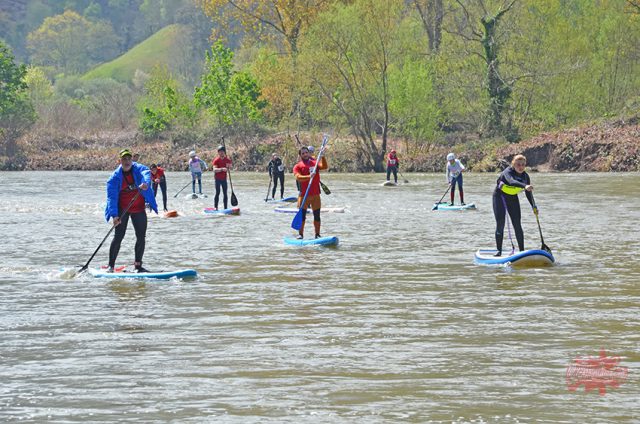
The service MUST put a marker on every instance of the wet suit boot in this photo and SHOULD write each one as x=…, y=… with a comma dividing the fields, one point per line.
x=462, y=198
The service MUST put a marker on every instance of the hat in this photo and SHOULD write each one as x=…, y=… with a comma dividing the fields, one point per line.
x=451, y=156
x=221, y=147
x=192, y=154
x=311, y=149
x=393, y=151
x=124, y=152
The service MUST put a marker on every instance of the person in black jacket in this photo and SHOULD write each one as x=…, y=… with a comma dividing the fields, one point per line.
x=511, y=181
x=276, y=172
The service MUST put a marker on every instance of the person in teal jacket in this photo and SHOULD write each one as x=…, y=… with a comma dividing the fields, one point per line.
x=128, y=188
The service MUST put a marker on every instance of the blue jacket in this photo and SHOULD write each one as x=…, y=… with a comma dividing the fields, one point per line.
x=140, y=174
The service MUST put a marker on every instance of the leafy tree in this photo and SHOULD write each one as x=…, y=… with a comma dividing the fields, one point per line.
x=231, y=98
x=16, y=111
x=71, y=43
x=348, y=57
x=164, y=105
x=39, y=86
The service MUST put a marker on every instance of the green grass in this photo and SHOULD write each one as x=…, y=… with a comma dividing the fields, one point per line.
x=159, y=49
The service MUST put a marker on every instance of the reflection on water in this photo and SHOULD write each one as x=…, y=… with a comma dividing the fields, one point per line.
x=395, y=324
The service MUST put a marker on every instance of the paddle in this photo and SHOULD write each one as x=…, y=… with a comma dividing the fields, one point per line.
x=266, y=199
x=535, y=212
x=180, y=191
x=405, y=180
x=296, y=224
x=234, y=199
x=324, y=187
x=84, y=268
x=445, y=193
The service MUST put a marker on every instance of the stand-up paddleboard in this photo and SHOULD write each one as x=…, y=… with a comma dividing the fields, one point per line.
x=228, y=211
x=322, y=241
x=389, y=184
x=295, y=210
x=285, y=200
x=444, y=206
x=162, y=275
x=527, y=258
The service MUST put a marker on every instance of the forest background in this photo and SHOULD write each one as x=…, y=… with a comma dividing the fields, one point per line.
x=557, y=80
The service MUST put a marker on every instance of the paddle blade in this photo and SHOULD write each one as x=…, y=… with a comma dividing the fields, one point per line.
x=435, y=207
x=234, y=199
x=325, y=188
x=296, y=224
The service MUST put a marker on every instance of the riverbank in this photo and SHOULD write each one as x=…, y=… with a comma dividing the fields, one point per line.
x=609, y=146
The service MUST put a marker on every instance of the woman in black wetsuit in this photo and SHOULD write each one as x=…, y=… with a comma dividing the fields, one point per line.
x=511, y=181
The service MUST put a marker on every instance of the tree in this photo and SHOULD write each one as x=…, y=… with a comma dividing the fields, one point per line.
x=431, y=13
x=232, y=98
x=71, y=43
x=16, y=111
x=347, y=57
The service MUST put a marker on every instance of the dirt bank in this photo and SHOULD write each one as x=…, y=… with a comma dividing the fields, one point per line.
x=607, y=146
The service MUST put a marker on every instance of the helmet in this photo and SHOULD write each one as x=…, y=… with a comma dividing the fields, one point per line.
x=221, y=147
x=451, y=156
x=310, y=149
x=393, y=151
x=192, y=154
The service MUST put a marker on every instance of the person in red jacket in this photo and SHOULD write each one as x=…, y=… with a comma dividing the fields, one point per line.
x=158, y=178
x=306, y=171
x=392, y=166
x=221, y=165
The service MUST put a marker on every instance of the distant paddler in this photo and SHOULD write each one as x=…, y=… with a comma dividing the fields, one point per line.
x=276, y=173
x=511, y=181
x=454, y=170
x=158, y=179
x=197, y=166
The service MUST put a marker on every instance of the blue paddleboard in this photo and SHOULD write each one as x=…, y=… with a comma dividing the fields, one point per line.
x=285, y=200
x=443, y=206
x=527, y=258
x=162, y=275
x=322, y=241
x=229, y=211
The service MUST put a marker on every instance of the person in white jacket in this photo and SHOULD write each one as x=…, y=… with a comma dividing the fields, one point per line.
x=196, y=166
x=454, y=175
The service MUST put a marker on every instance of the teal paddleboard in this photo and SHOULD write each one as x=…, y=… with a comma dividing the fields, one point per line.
x=322, y=241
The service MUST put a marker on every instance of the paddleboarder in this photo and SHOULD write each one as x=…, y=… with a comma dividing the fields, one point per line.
x=221, y=165
x=129, y=186
x=511, y=181
x=276, y=172
x=197, y=166
x=158, y=179
x=393, y=164
x=454, y=171
x=303, y=174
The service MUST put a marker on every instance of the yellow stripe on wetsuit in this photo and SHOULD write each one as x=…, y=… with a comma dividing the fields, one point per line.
x=512, y=190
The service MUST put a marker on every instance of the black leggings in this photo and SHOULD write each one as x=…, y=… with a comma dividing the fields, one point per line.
x=278, y=176
x=139, y=221
x=513, y=207
x=316, y=215
x=163, y=187
x=393, y=169
x=220, y=184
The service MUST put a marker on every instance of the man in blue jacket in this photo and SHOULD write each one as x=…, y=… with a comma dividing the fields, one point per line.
x=127, y=191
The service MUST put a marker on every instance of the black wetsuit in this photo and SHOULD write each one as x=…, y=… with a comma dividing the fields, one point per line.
x=503, y=202
x=276, y=172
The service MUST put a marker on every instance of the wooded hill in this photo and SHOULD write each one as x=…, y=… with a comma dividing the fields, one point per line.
x=422, y=76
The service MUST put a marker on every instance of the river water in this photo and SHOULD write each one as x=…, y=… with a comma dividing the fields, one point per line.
x=396, y=324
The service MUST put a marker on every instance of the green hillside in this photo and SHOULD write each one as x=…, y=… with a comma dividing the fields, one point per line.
x=162, y=48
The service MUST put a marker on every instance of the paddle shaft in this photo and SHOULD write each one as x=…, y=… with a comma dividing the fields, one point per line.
x=180, y=191
x=268, y=189
x=296, y=224
x=403, y=177
x=445, y=193
x=535, y=212
x=234, y=199
x=84, y=268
